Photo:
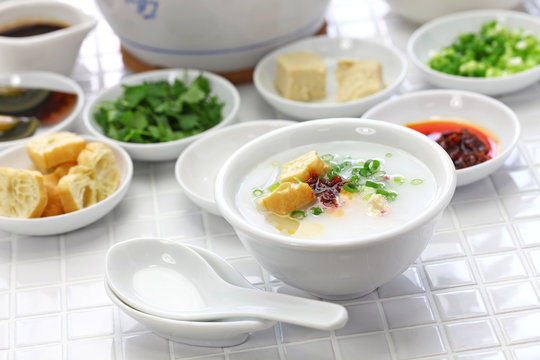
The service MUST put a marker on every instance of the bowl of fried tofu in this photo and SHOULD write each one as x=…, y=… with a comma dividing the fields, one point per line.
x=329, y=77
x=59, y=182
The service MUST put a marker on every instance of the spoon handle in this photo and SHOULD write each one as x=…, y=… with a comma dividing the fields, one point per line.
x=290, y=309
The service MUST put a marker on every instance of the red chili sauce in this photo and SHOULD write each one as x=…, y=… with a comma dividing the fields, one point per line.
x=327, y=190
x=466, y=144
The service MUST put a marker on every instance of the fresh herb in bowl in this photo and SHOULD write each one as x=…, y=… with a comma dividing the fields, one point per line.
x=160, y=111
x=492, y=52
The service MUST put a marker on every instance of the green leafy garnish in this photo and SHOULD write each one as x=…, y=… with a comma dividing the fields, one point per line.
x=492, y=52
x=160, y=111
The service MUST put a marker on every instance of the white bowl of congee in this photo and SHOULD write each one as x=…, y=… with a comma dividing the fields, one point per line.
x=336, y=207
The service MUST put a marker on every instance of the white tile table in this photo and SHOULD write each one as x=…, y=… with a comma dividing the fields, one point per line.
x=473, y=294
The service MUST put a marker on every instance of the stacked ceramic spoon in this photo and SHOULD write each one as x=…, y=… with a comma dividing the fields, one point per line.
x=188, y=286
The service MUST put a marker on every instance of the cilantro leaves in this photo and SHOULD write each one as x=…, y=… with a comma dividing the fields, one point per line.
x=160, y=111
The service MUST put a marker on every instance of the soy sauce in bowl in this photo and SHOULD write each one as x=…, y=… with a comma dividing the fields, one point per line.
x=25, y=30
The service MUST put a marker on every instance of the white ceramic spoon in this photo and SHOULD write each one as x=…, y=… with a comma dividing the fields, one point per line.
x=164, y=278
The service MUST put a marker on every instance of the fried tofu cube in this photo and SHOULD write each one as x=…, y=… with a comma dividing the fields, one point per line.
x=304, y=167
x=301, y=76
x=287, y=197
x=358, y=78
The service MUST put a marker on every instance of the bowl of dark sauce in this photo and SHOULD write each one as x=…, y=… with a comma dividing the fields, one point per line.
x=41, y=35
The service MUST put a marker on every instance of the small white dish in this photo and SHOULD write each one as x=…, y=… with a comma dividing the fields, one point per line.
x=17, y=157
x=200, y=333
x=197, y=167
x=55, y=51
x=167, y=279
x=45, y=80
x=477, y=109
x=221, y=87
x=394, y=69
x=441, y=32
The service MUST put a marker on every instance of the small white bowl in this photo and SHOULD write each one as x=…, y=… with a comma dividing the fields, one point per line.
x=17, y=157
x=394, y=69
x=410, y=9
x=46, y=80
x=221, y=87
x=476, y=109
x=197, y=167
x=227, y=332
x=55, y=51
x=441, y=32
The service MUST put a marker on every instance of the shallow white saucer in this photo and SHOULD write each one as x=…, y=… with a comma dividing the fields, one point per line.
x=198, y=165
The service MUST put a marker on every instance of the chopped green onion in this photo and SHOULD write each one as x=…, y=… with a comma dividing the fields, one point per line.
x=364, y=172
x=297, y=179
x=316, y=210
x=275, y=164
x=258, y=193
x=367, y=196
x=350, y=187
x=297, y=214
x=327, y=157
x=372, y=165
x=416, y=181
x=388, y=155
x=399, y=180
x=274, y=186
x=390, y=195
x=372, y=184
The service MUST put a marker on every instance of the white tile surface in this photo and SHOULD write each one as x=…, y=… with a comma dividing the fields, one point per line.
x=472, y=295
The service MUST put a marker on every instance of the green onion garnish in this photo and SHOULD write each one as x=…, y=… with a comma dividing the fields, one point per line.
x=390, y=195
x=275, y=164
x=297, y=179
x=416, y=181
x=388, y=155
x=258, y=193
x=372, y=184
x=350, y=187
x=372, y=165
x=399, y=180
x=316, y=210
x=327, y=157
x=274, y=186
x=297, y=214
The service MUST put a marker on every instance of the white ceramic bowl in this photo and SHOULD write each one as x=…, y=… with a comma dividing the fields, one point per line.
x=420, y=11
x=441, y=32
x=55, y=51
x=394, y=68
x=47, y=80
x=477, y=109
x=340, y=268
x=208, y=34
x=17, y=158
x=197, y=167
x=227, y=332
x=221, y=87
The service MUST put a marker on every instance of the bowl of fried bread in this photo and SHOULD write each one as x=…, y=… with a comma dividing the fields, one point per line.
x=59, y=182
